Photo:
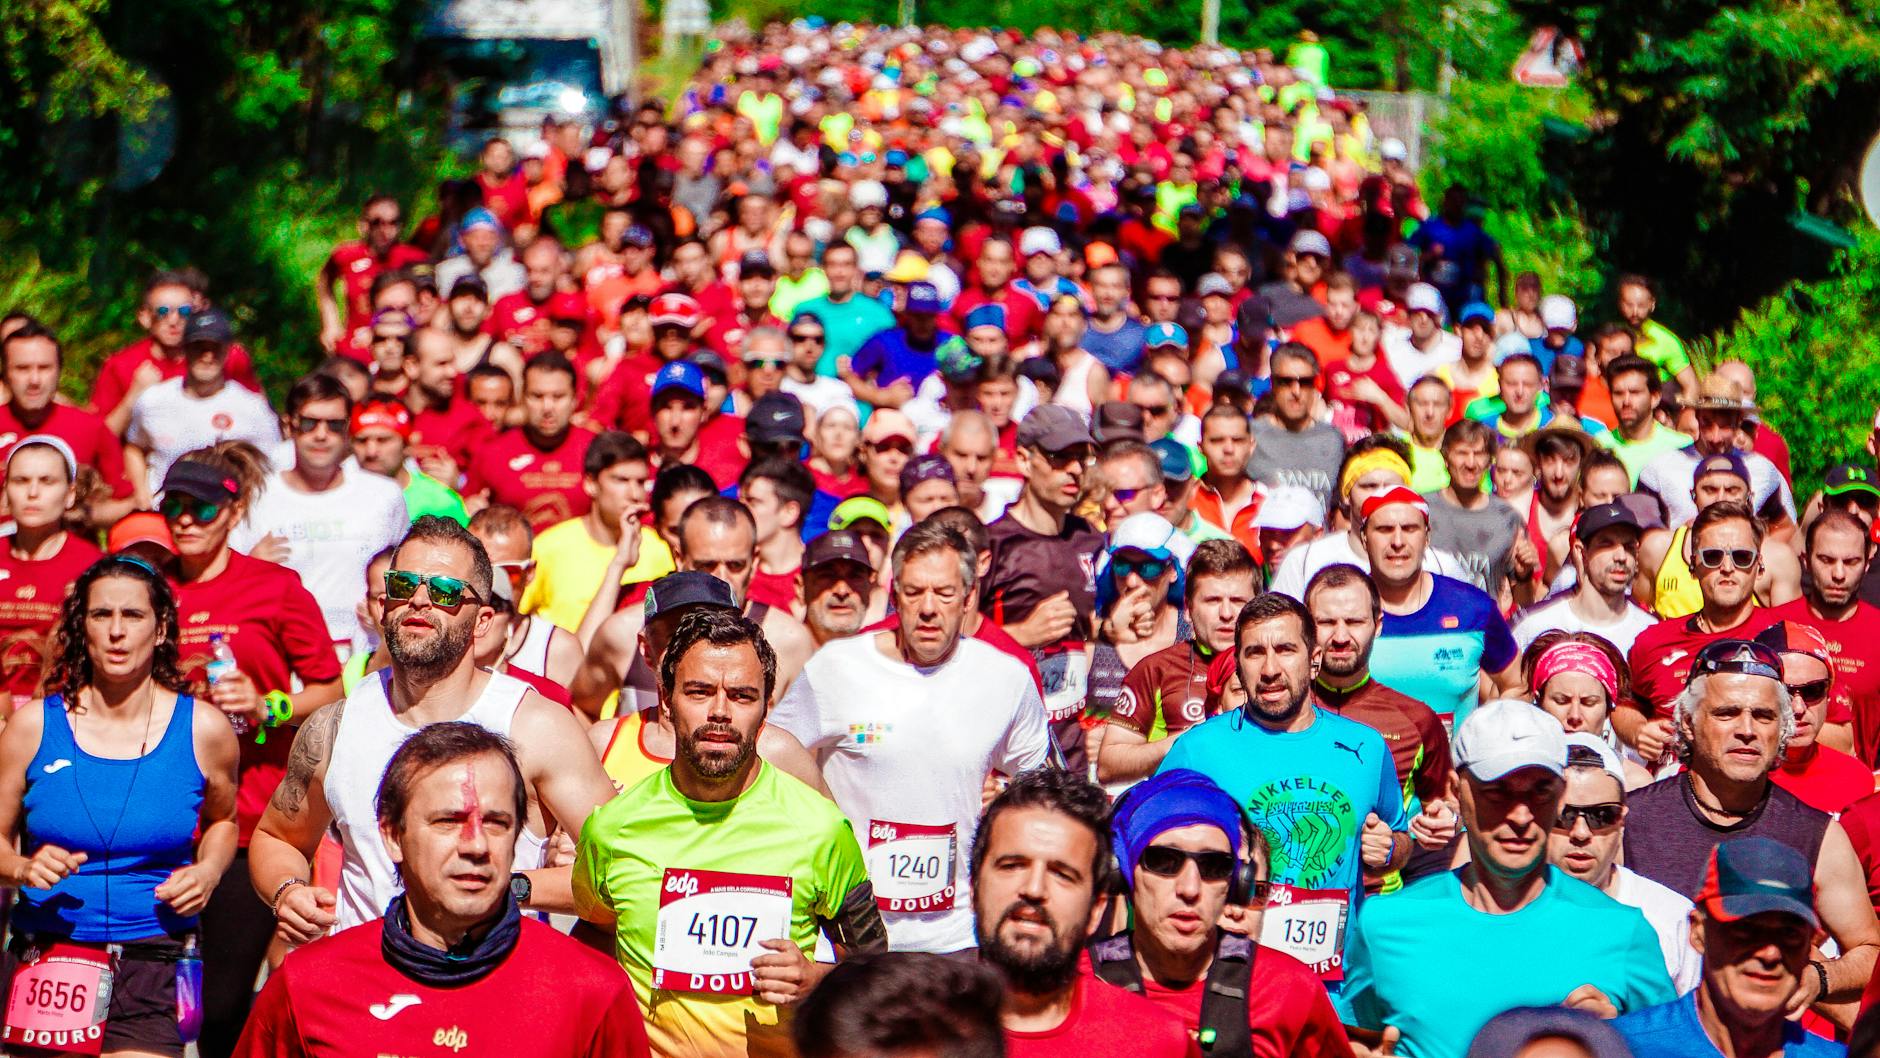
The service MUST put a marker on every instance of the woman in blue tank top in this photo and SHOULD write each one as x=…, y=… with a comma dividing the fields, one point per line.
x=107, y=783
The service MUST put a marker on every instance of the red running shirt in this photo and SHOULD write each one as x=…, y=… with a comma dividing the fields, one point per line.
x=31, y=594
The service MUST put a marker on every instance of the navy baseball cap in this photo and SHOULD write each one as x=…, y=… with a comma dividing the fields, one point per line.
x=1177, y=463
x=675, y=591
x=201, y=481
x=679, y=374
x=837, y=545
x=208, y=325
x=923, y=297
x=1721, y=463
x=774, y=417
x=1754, y=875
x=1604, y=516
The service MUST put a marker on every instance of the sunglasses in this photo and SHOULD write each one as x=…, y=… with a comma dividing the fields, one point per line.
x=1125, y=495
x=813, y=338
x=1740, y=557
x=1301, y=381
x=1812, y=693
x=447, y=593
x=184, y=311
x=1154, y=411
x=774, y=365
x=1598, y=817
x=1736, y=656
x=1146, y=568
x=309, y=424
x=176, y=505
x=893, y=444
x=1165, y=862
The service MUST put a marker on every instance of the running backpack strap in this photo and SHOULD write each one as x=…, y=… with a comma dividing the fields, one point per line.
x=1224, y=1029
x=1114, y=960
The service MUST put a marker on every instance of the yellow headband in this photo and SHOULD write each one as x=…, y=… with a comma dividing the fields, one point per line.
x=1375, y=459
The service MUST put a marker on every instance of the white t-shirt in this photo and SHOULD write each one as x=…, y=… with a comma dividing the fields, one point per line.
x=1670, y=918
x=1410, y=363
x=1556, y=613
x=330, y=536
x=168, y=422
x=1302, y=563
x=910, y=748
x=1669, y=477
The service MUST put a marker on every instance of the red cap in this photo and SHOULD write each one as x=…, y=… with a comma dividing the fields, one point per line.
x=382, y=414
x=140, y=527
x=567, y=307
x=678, y=310
x=1398, y=494
x=1794, y=637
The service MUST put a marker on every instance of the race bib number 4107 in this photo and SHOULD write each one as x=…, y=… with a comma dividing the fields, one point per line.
x=711, y=925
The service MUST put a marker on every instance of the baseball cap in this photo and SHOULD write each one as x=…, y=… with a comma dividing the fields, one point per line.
x=1754, y=875
x=382, y=414
x=202, y=482
x=1740, y=657
x=209, y=325
x=1401, y=261
x=1568, y=373
x=1037, y=240
x=1160, y=335
x=1289, y=507
x=674, y=310
x=1505, y=736
x=1511, y=344
x=1393, y=150
x=868, y=193
x=1152, y=534
x=755, y=263
x=1214, y=284
x=1118, y=420
x=928, y=467
x=1476, y=311
x=1396, y=494
x=837, y=545
x=1558, y=313
x=680, y=374
x=1721, y=463
x=711, y=365
x=471, y=286
x=922, y=297
x=1597, y=519
x=1843, y=478
x=1041, y=370
x=567, y=307
x=987, y=315
x=1099, y=254
x=1177, y=463
x=909, y=267
x=140, y=527
x=775, y=417
x=861, y=509
x=884, y=423
x=46, y=440
x=1794, y=637
x=1421, y=297
x=1310, y=242
x=684, y=588
x=1053, y=427
x=479, y=217
x=1584, y=747
x=1510, y=1032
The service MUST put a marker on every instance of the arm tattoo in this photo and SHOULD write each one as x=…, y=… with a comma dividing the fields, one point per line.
x=312, y=745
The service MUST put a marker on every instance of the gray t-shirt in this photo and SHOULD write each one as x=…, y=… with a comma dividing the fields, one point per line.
x=1308, y=458
x=1481, y=538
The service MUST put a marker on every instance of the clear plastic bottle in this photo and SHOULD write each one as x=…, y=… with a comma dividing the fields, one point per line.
x=221, y=663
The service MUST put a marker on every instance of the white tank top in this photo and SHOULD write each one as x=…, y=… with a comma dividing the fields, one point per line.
x=1074, y=389
x=531, y=654
x=368, y=736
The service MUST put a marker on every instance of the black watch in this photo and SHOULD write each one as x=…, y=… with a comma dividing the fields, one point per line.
x=521, y=889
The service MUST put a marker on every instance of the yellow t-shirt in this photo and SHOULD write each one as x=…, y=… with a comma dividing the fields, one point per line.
x=569, y=565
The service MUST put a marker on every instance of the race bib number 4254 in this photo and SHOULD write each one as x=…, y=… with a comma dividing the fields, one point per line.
x=911, y=865
x=711, y=924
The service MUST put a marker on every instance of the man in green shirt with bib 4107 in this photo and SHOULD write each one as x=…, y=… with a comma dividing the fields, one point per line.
x=716, y=873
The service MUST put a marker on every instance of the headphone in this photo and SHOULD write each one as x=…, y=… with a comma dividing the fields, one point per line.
x=1241, y=884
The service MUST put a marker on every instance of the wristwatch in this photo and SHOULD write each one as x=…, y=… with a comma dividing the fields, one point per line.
x=520, y=888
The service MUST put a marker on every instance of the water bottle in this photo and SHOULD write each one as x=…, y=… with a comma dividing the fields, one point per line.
x=189, y=991
x=221, y=663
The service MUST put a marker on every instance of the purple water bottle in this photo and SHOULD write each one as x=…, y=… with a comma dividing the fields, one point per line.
x=189, y=991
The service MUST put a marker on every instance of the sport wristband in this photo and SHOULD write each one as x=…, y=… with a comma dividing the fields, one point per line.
x=277, y=709
x=274, y=904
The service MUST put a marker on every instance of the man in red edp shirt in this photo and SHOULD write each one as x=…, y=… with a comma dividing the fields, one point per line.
x=536, y=468
x=1040, y=868
x=453, y=964
x=1178, y=840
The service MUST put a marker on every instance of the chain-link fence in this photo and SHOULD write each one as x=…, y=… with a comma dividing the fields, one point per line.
x=1405, y=115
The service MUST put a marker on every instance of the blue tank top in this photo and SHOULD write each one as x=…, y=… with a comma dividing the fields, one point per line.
x=75, y=800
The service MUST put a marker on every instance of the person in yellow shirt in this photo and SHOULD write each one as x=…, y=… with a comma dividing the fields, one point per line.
x=574, y=557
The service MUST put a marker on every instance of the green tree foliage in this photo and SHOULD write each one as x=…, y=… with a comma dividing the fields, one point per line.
x=238, y=136
x=1718, y=122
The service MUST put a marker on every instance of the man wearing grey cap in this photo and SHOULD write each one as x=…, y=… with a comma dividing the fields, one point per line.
x=197, y=410
x=1446, y=954
x=1043, y=584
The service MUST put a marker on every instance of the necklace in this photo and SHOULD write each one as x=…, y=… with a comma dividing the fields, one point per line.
x=1715, y=810
x=143, y=749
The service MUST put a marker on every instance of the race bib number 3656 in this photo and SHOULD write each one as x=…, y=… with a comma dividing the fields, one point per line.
x=58, y=1002
x=711, y=925
x=911, y=865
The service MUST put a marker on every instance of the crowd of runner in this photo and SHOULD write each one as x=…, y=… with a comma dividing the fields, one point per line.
x=940, y=543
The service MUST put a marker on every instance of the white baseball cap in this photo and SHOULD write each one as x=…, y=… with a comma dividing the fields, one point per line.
x=868, y=193
x=1587, y=742
x=1310, y=241
x=1393, y=150
x=1422, y=297
x=1558, y=313
x=1505, y=736
x=1289, y=507
x=1039, y=240
x=1151, y=533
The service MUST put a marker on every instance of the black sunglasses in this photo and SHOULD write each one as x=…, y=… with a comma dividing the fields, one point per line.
x=1812, y=693
x=447, y=593
x=308, y=424
x=1598, y=817
x=176, y=504
x=817, y=338
x=1165, y=862
x=1740, y=557
x=1293, y=380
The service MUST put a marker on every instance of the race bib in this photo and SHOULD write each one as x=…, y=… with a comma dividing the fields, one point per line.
x=911, y=865
x=1066, y=678
x=59, y=1000
x=1309, y=925
x=710, y=926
